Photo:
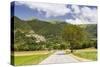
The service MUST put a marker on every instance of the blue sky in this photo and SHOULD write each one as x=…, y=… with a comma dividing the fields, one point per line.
x=75, y=14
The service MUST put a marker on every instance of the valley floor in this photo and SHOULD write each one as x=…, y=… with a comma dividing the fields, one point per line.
x=54, y=56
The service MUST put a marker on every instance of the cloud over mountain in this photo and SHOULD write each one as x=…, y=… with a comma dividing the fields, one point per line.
x=81, y=14
x=48, y=8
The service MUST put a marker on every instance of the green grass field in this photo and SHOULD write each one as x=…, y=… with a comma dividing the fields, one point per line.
x=32, y=58
x=90, y=54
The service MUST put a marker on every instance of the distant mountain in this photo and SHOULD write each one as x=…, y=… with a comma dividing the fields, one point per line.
x=40, y=27
x=48, y=28
x=20, y=25
x=91, y=29
x=26, y=32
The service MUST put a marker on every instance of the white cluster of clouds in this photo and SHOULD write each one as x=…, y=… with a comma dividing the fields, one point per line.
x=83, y=15
x=76, y=9
x=50, y=9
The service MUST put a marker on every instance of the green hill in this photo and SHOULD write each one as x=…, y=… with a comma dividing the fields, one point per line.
x=51, y=32
x=91, y=29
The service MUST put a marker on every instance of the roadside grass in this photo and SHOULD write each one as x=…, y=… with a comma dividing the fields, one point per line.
x=27, y=53
x=31, y=58
x=90, y=54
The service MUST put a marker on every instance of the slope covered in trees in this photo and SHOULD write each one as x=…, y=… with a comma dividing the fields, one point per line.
x=39, y=35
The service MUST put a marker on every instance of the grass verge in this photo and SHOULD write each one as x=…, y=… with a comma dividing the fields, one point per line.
x=87, y=54
x=30, y=59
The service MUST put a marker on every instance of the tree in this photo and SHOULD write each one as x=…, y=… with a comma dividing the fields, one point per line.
x=74, y=35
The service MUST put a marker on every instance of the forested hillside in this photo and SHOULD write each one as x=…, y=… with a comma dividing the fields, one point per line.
x=39, y=35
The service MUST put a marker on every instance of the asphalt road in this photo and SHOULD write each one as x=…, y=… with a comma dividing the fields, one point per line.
x=59, y=57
